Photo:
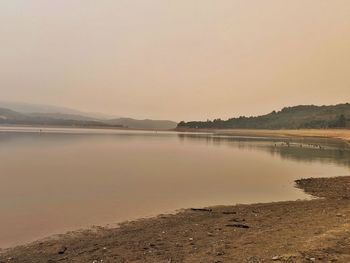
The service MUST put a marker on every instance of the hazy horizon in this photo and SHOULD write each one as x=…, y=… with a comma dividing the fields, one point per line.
x=180, y=60
x=46, y=108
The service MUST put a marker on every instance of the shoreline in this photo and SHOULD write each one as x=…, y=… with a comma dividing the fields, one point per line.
x=265, y=232
x=339, y=134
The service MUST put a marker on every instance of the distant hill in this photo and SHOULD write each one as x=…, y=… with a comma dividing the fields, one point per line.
x=42, y=108
x=143, y=124
x=63, y=116
x=297, y=117
x=11, y=117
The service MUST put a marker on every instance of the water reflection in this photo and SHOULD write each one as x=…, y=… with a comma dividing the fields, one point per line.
x=60, y=180
x=296, y=149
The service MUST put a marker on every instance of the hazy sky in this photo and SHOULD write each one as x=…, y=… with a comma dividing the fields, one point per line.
x=175, y=59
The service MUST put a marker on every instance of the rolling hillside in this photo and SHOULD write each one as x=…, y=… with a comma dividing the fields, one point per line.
x=297, y=117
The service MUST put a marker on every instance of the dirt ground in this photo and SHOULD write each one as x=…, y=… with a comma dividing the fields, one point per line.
x=317, y=230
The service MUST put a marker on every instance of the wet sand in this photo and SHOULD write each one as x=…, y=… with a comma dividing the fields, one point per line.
x=316, y=230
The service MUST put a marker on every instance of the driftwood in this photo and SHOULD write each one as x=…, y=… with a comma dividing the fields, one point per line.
x=202, y=209
x=237, y=225
x=237, y=220
x=229, y=213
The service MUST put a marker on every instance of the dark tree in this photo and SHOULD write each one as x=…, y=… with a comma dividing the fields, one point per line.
x=341, y=121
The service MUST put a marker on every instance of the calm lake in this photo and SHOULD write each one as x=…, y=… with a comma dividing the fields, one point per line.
x=65, y=179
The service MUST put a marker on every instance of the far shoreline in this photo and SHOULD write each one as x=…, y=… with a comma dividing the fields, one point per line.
x=340, y=134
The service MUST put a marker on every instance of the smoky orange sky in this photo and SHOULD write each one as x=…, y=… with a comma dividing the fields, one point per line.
x=179, y=60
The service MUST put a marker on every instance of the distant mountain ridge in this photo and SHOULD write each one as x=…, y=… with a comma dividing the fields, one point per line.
x=23, y=107
x=11, y=117
x=297, y=117
x=77, y=119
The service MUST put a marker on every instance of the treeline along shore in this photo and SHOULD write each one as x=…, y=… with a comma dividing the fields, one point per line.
x=297, y=117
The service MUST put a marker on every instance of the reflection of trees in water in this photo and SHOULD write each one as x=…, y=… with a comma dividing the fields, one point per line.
x=297, y=149
x=329, y=155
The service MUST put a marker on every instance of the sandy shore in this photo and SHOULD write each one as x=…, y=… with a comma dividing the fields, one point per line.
x=317, y=230
x=342, y=134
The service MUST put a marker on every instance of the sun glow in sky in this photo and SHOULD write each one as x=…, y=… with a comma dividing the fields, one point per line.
x=177, y=60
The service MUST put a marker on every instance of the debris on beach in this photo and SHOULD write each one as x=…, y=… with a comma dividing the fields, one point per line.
x=62, y=250
x=237, y=225
x=202, y=209
x=238, y=220
x=229, y=212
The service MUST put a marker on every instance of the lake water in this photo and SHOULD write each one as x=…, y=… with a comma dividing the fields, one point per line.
x=65, y=179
